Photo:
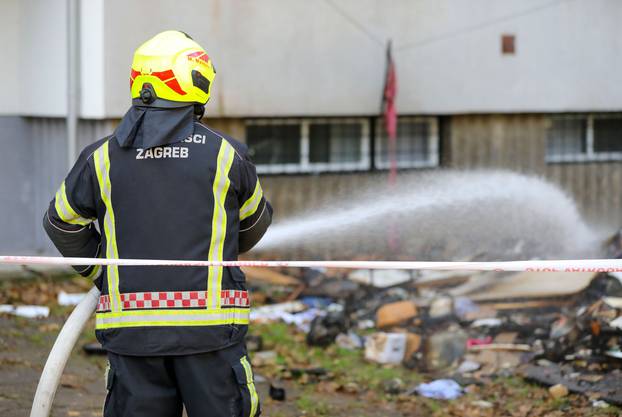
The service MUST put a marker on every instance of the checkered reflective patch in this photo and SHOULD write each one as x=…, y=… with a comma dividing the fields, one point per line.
x=174, y=299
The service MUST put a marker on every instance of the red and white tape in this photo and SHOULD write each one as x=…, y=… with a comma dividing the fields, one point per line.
x=580, y=265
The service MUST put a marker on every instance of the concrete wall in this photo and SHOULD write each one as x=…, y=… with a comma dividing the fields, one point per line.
x=42, y=58
x=515, y=142
x=230, y=126
x=9, y=70
x=18, y=184
x=33, y=74
x=283, y=57
x=303, y=58
x=32, y=165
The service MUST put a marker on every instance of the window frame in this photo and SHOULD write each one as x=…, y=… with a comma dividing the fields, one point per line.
x=590, y=155
x=433, y=159
x=305, y=166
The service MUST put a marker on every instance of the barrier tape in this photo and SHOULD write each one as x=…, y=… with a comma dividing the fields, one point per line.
x=581, y=265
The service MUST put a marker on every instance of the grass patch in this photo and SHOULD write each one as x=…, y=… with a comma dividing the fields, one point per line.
x=433, y=407
x=311, y=406
x=612, y=410
x=345, y=365
x=37, y=339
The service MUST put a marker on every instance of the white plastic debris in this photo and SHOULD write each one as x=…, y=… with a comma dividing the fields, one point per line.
x=70, y=299
x=365, y=324
x=293, y=312
x=464, y=306
x=302, y=320
x=385, y=347
x=600, y=404
x=380, y=278
x=613, y=302
x=441, y=389
x=441, y=307
x=468, y=366
x=482, y=404
x=490, y=322
x=616, y=275
x=274, y=312
x=617, y=323
x=31, y=312
x=614, y=354
x=349, y=340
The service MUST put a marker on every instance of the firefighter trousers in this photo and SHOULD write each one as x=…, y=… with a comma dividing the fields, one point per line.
x=216, y=384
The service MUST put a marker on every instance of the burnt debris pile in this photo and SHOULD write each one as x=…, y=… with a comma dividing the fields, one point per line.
x=562, y=330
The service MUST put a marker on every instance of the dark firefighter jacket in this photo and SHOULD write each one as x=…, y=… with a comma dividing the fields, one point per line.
x=163, y=186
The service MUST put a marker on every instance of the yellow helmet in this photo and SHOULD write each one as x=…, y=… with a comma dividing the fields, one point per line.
x=171, y=70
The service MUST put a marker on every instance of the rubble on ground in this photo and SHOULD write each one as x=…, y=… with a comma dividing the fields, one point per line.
x=561, y=330
x=478, y=330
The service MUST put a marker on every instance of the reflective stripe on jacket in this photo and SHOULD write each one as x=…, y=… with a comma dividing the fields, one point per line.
x=183, y=200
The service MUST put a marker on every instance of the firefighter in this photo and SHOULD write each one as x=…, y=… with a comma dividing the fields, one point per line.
x=165, y=186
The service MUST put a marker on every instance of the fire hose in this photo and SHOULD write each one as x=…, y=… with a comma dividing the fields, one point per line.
x=59, y=355
x=69, y=334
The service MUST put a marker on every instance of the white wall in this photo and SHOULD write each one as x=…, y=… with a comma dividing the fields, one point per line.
x=296, y=57
x=9, y=69
x=33, y=74
x=33, y=57
x=92, y=80
x=569, y=58
x=43, y=57
x=300, y=57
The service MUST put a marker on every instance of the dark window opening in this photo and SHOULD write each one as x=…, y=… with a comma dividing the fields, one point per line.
x=335, y=142
x=567, y=136
x=412, y=144
x=608, y=134
x=274, y=144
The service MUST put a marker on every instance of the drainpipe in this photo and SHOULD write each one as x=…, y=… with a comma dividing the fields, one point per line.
x=73, y=78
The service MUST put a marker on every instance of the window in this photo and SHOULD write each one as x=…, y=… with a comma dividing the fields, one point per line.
x=607, y=134
x=308, y=145
x=578, y=138
x=416, y=145
x=274, y=144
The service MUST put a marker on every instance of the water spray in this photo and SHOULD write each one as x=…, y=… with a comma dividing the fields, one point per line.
x=447, y=214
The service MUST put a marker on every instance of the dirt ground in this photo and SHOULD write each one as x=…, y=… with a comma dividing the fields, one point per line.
x=25, y=343
x=351, y=388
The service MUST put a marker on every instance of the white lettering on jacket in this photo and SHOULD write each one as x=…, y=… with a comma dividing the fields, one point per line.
x=196, y=138
x=162, y=152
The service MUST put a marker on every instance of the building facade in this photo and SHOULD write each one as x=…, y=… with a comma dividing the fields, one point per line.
x=485, y=84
